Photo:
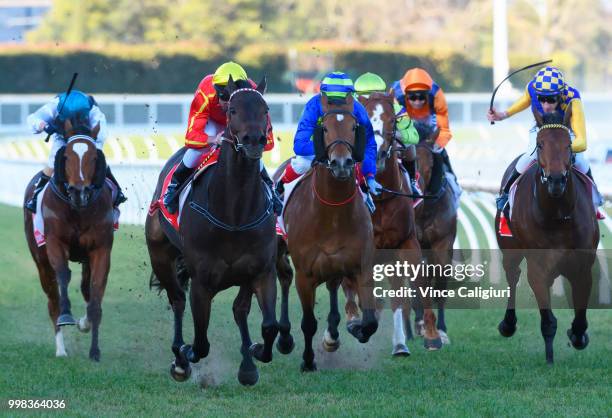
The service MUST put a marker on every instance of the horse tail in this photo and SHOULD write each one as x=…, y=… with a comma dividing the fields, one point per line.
x=182, y=275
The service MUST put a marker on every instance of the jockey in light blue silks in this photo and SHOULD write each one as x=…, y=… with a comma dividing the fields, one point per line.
x=48, y=118
x=336, y=86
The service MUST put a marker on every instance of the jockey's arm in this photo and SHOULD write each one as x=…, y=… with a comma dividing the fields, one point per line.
x=97, y=117
x=441, y=109
x=406, y=132
x=521, y=104
x=198, y=117
x=43, y=116
x=579, y=144
x=368, y=166
x=302, y=143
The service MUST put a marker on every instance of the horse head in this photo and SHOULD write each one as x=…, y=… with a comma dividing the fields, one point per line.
x=79, y=165
x=340, y=141
x=247, y=117
x=382, y=116
x=554, y=150
x=427, y=138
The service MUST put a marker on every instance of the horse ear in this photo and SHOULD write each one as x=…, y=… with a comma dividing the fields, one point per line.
x=231, y=86
x=350, y=100
x=95, y=131
x=68, y=129
x=324, y=103
x=261, y=87
x=59, y=166
x=538, y=118
x=362, y=99
x=568, y=115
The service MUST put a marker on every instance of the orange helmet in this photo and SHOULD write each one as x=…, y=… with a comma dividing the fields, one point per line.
x=416, y=79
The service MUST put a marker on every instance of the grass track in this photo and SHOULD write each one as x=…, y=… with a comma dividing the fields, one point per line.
x=480, y=373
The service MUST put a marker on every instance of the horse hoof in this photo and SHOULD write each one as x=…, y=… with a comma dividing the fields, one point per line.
x=330, y=346
x=178, y=373
x=505, y=329
x=432, y=344
x=83, y=325
x=578, y=343
x=94, y=354
x=285, y=345
x=248, y=377
x=308, y=368
x=186, y=354
x=65, y=319
x=355, y=328
x=419, y=328
x=400, y=350
x=257, y=351
x=444, y=337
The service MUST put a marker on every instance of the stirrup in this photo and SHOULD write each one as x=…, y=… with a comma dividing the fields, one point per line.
x=120, y=198
x=31, y=205
x=501, y=201
x=171, y=198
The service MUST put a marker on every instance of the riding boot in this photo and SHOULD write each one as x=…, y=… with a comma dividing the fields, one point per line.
x=410, y=166
x=40, y=184
x=120, y=196
x=447, y=162
x=277, y=203
x=437, y=173
x=179, y=176
x=503, y=197
x=288, y=176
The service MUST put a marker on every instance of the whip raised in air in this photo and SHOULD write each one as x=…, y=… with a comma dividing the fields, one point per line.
x=74, y=77
x=537, y=64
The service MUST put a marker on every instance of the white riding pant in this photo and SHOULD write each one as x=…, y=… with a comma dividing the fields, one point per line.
x=193, y=156
x=58, y=142
x=581, y=162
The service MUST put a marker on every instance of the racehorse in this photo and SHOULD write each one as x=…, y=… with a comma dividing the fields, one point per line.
x=226, y=238
x=329, y=234
x=436, y=220
x=78, y=226
x=394, y=218
x=554, y=228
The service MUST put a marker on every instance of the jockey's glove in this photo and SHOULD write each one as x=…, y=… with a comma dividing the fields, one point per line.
x=374, y=186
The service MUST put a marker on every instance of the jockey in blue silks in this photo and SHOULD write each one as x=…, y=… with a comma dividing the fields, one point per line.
x=336, y=86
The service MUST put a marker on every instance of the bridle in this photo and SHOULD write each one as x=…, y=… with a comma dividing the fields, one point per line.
x=336, y=142
x=233, y=138
x=544, y=178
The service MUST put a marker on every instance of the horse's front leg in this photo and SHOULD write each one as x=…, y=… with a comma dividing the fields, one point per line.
x=511, y=262
x=265, y=290
x=100, y=266
x=200, y=300
x=285, y=343
x=431, y=337
x=247, y=374
x=331, y=340
x=364, y=329
x=540, y=282
x=58, y=257
x=307, y=288
x=581, y=282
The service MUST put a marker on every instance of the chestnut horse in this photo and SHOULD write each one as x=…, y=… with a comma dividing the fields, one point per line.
x=226, y=238
x=436, y=222
x=554, y=228
x=394, y=218
x=329, y=234
x=78, y=222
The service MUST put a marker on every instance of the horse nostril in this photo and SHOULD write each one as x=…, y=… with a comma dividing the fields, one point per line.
x=349, y=163
x=263, y=140
x=333, y=163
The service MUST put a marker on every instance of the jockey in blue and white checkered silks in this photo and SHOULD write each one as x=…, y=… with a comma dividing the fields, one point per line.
x=48, y=118
x=548, y=92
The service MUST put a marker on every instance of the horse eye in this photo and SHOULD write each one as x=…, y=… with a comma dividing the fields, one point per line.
x=324, y=129
x=232, y=111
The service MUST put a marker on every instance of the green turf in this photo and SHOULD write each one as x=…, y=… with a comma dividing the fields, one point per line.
x=480, y=373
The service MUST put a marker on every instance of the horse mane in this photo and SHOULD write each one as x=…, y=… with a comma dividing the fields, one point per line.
x=424, y=129
x=552, y=118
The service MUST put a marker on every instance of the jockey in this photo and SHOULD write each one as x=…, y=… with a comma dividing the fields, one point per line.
x=207, y=122
x=48, y=118
x=424, y=102
x=547, y=93
x=406, y=133
x=336, y=86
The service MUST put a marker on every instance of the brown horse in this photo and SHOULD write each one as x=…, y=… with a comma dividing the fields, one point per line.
x=329, y=233
x=436, y=220
x=554, y=228
x=227, y=238
x=394, y=218
x=78, y=221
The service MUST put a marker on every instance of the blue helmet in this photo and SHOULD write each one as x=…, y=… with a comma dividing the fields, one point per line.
x=74, y=106
x=337, y=85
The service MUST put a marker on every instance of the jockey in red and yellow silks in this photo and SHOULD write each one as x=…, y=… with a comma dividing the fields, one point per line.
x=206, y=123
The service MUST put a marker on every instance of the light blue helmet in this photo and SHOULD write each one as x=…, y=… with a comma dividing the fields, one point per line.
x=74, y=106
